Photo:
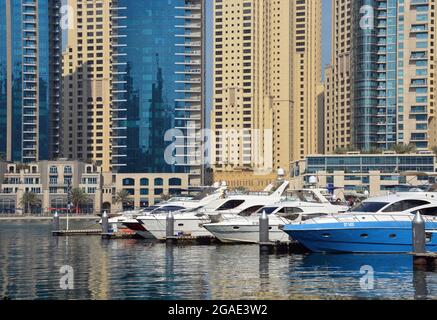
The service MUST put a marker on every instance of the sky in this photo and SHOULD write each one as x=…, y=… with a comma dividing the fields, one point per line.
x=326, y=48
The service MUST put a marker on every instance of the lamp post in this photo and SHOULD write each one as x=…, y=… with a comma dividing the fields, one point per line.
x=68, y=201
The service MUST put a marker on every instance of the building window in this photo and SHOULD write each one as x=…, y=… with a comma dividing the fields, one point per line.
x=159, y=182
x=128, y=182
x=175, y=182
x=144, y=182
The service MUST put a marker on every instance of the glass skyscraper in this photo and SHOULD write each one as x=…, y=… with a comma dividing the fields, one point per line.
x=30, y=53
x=158, y=86
x=391, y=76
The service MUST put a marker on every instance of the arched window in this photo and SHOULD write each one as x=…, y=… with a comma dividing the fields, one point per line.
x=175, y=182
x=68, y=170
x=53, y=170
x=159, y=182
x=128, y=182
x=144, y=182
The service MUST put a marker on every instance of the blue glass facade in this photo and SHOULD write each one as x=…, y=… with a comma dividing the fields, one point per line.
x=366, y=163
x=375, y=76
x=34, y=63
x=390, y=89
x=157, y=85
x=3, y=77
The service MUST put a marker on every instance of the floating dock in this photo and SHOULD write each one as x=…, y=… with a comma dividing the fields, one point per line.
x=61, y=233
x=120, y=235
x=187, y=240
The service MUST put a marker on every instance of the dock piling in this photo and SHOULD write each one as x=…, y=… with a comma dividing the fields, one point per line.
x=105, y=223
x=169, y=227
x=264, y=228
x=56, y=224
x=419, y=236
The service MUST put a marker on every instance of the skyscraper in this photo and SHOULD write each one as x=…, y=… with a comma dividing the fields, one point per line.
x=134, y=86
x=158, y=87
x=30, y=55
x=267, y=83
x=337, y=80
x=87, y=74
x=394, y=65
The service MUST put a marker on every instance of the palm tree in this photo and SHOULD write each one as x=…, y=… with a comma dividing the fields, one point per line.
x=123, y=197
x=29, y=200
x=404, y=148
x=79, y=198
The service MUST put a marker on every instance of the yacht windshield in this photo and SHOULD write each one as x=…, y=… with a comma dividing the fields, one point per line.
x=150, y=209
x=268, y=210
x=369, y=207
x=168, y=209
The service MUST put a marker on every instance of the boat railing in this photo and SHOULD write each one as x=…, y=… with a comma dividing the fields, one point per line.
x=380, y=217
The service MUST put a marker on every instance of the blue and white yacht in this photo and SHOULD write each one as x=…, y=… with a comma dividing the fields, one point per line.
x=377, y=225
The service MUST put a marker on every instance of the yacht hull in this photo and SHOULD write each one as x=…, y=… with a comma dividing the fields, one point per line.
x=182, y=226
x=244, y=233
x=360, y=237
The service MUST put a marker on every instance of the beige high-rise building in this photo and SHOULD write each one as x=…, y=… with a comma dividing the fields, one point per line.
x=338, y=80
x=86, y=112
x=267, y=83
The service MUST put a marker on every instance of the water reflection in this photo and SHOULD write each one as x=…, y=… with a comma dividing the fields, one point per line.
x=30, y=262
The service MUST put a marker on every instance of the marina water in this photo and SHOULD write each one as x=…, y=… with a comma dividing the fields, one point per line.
x=31, y=260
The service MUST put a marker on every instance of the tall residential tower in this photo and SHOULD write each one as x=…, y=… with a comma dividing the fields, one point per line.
x=30, y=56
x=87, y=74
x=337, y=80
x=267, y=83
x=134, y=86
x=158, y=87
x=394, y=70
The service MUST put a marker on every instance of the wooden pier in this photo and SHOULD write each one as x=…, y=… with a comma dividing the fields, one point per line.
x=120, y=236
x=188, y=240
x=63, y=233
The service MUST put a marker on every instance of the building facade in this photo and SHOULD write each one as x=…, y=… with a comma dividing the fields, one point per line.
x=87, y=74
x=30, y=79
x=393, y=73
x=158, y=87
x=356, y=173
x=267, y=76
x=337, y=80
x=50, y=180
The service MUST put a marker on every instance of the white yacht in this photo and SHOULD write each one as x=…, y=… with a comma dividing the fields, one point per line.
x=128, y=219
x=190, y=223
x=299, y=205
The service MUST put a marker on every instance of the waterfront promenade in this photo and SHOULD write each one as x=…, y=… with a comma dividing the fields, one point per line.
x=47, y=218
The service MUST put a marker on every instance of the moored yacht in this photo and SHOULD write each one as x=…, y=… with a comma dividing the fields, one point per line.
x=190, y=223
x=377, y=225
x=128, y=219
x=299, y=205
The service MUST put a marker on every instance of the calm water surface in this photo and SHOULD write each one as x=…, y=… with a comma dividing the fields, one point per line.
x=30, y=262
